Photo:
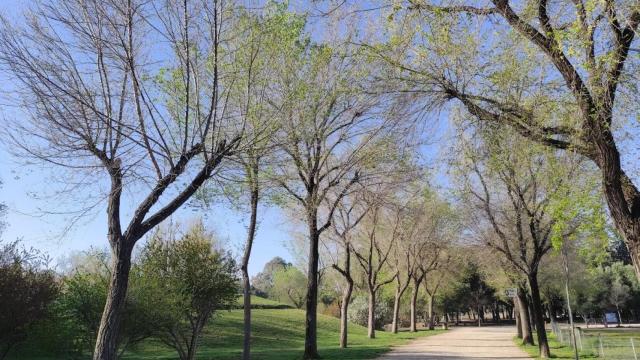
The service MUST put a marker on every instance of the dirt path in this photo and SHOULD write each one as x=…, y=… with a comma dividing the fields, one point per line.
x=491, y=342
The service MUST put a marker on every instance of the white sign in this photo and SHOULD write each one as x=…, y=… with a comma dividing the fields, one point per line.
x=511, y=292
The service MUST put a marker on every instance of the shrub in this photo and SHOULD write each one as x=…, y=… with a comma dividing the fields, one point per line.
x=26, y=291
x=191, y=281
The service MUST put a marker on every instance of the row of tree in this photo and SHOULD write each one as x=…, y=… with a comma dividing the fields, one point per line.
x=239, y=102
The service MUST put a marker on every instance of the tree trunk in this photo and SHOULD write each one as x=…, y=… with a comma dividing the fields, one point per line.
x=246, y=291
x=414, y=298
x=396, y=306
x=525, y=320
x=518, y=322
x=346, y=298
x=371, y=325
x=107, y=340
x=396, y=311
x=311, y=339
x=430, y=312
x=543, y=344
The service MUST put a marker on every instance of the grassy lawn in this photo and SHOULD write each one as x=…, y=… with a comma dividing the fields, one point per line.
x=277, y=334
x=558, y=350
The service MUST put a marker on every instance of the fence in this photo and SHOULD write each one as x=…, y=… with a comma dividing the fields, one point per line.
x=601, y=343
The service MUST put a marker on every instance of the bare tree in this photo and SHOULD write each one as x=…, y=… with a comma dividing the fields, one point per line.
x=517, y=193
x=129, y=93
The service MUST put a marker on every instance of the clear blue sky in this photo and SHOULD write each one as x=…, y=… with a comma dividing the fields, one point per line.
x=24, y=188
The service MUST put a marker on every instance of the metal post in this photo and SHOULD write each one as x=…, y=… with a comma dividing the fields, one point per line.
x=633, y=346
x=579, y=338
x=573, y=340
x=601, y=348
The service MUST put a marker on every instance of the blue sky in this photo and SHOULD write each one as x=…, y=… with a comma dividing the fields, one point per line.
x=27, y=191
x=24, y=192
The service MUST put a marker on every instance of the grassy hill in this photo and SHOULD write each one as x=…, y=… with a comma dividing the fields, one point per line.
x=279, y=334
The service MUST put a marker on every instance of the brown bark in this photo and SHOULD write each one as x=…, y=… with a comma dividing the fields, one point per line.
x=371, y=321
x=518, y=321
x=346, y=298
x=414, y=298
x=246, y=290
x=525, y=320
x=310, y=339
x=400, y=289
x=430, y=323
x=106, y=343
x=538, y=316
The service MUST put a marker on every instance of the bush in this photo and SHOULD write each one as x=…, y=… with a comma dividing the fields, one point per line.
x=26, y=291
x=83, y=298
x=289, y=286
x=358, y=312
x=191, y=281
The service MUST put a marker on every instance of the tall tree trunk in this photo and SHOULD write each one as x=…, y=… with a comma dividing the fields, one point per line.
x=430, y=312
x=414, y=298
x=346, y=298
x=396, y=311
x=518, y=322
x=106, y=343
x=246, y=291
x=371, y=322
x=311, y=339
x=525, y=320
x=400, y=289
x=536, y=303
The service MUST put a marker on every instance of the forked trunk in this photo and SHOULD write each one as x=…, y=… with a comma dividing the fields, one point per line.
x=106, y=343
x=543, y=344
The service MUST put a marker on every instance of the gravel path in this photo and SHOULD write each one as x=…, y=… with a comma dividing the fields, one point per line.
x=490, y=342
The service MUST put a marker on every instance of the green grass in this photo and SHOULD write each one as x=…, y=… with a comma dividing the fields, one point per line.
x=558, y=350
x=277, y=334
x=258, y=302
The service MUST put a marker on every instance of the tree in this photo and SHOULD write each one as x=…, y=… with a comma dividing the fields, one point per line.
x=193, y=279
x=26, y=291
x=373, y=249
x=436, y=225
x=263, y=281
x=328, y=126
x=586, y=83
x=289, y=286
x=109, y=102
x=529, y=199
x=348, y=215
x=264, y=39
